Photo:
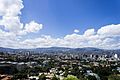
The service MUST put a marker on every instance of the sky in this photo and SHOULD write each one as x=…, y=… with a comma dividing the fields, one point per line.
x=60, y=23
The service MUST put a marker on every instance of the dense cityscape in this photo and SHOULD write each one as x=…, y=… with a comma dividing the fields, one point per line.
x=28, y=65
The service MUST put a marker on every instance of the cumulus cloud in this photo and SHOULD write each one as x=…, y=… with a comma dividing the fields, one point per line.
x=90, y=38
x=13, y=31
x=110, y=30
x=89, y=32
x=10, y=7
x=11, y=23
x=76, y=31
x=33, y=27
x=10, y=11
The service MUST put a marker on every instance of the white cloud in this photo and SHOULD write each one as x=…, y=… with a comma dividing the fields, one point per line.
x=10, y=7
x=107, y=37
x=76, y=31
x=11, y=23
x=89, y=32
x=33, y=27
x=109, y=30
x=10, y=11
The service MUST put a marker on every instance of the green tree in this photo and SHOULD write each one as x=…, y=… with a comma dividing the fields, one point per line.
x=71, y=77
x=91, y=78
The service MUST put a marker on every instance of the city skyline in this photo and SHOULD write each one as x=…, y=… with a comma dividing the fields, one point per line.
x=74, y=24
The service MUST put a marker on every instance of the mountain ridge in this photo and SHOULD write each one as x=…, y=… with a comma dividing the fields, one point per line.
x=85, y=50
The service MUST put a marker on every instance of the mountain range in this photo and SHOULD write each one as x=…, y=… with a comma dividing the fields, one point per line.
x=86, y=50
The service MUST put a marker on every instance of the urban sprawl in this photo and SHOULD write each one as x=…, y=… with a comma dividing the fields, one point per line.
x=59, y=66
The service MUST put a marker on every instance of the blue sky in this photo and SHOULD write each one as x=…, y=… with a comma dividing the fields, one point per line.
x=60, y=23
x=61, y=17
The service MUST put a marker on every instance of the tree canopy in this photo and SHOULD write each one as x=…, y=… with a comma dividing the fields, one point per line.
x=71, y=77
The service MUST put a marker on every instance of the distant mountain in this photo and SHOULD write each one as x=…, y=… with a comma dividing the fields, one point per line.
x=6, y=49
x=87, y=50
x=52, y=49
